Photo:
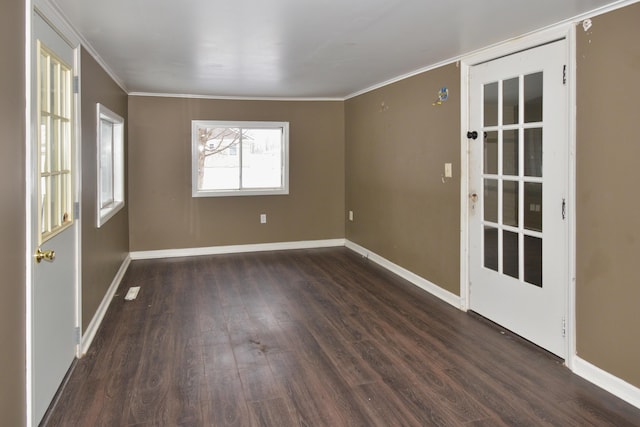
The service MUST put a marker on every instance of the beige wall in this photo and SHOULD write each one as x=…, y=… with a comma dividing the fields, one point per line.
x=608, y=210
x=104, y=248
x=162, y=212
x=12, y=215
x=397, y=143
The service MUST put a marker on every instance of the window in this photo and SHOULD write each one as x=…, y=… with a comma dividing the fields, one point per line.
x=239, y=158
x=110, y=158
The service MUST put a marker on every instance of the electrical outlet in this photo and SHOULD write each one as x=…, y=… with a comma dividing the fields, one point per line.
x=263, y=218
x=350, y=215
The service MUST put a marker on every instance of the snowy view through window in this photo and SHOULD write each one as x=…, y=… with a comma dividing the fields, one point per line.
x=235, y=158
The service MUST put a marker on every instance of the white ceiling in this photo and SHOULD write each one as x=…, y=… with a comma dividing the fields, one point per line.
x=295, y=48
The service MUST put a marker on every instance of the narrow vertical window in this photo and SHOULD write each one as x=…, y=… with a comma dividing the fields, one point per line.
x=110, y=170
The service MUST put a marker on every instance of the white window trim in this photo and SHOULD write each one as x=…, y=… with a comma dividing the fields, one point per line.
x=105, y=213
x=283, y=190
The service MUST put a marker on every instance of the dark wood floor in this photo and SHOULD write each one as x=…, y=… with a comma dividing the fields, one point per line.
x=311, y=338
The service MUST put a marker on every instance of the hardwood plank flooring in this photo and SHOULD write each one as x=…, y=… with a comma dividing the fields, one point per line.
x=311, y=338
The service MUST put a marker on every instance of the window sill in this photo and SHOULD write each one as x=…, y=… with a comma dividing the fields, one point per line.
x=236, y=193
x=106, y=213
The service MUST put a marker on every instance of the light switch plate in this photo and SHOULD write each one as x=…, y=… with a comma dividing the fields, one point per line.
x=447, y=170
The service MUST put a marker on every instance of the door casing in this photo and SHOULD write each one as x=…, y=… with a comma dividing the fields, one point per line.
x=567, y=32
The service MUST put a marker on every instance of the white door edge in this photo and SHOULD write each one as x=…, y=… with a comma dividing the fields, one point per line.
x=55, y=19
x=78, y=189
x=567, y=32
x=28, y=40
x=572, y=353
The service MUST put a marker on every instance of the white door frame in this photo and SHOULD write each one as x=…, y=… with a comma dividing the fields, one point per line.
x=567, y=32
x=59, y=23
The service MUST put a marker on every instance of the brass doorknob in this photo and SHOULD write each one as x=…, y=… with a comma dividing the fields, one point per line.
x=49, y=255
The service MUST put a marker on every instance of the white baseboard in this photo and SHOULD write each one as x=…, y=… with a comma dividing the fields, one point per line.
x=603, y=379
x=233, y=249
x=94, y=325
x=420, y=282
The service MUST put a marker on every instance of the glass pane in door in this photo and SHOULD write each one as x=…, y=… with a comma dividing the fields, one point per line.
x=533, y=152
x=55, y=165
x=54, y=197
x=510, y=254
x=491, y=153
x=490, y=109
x=512, y=172
x=510, y=202
x=510, y=150
x=511, y=101
x=65, y=138
x=491, y=200
x=533, y=260
x=43, y=144
x=44, y=193
x=491, y=248
x=533, y=98
x=51, y=144
x=533, y=206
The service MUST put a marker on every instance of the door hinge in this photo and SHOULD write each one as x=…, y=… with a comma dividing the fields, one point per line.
x=564, y=327
x=564, y=209
x=564, y=74
x=76, y=84
x=76, y=210
x=78, y=335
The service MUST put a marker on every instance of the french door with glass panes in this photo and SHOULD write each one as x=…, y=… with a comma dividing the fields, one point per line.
x=518, y=190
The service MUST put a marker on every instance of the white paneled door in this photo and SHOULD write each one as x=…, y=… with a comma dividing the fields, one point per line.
x=518, y=144
x=53, y=226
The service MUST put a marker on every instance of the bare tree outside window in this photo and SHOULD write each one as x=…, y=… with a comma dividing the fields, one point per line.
x=215, y=140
